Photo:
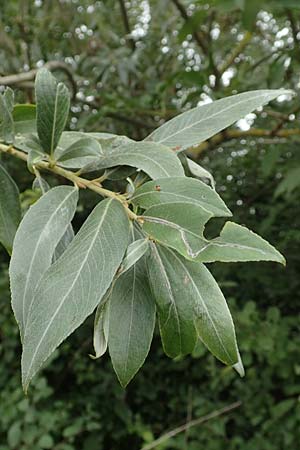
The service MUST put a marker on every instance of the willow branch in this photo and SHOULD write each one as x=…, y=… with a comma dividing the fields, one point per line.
x=227, y=135
x=197, y=35
x=71, y=176
x=192, y=423
x=26, y=77
x=235, y=53
x=126, y=24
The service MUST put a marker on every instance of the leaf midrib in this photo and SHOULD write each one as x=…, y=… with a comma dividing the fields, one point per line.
x=182, y=130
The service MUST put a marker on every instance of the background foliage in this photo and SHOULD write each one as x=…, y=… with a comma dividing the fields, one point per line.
x=130, y=66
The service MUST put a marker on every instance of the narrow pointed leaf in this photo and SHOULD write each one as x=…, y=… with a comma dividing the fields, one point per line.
x=155, y=160
x=131, y=322
x=200, y=123
x=75, y=283
x=38, y=234
x=238, y=243
x=175, y=307
x=136, y=250
x=80, y=153
x=53, y=102
x=199, y=172
x=180, y=189
x=101, y=324
x=10, y=209
x=202, y=304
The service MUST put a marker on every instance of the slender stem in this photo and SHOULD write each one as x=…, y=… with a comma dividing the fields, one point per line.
x=79, y=181
x=126, y=23
x=192, y=423
x=235, y=53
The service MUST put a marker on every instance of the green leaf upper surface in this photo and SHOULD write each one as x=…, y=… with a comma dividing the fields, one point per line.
x=75, y=283
x=200, y=123
x=238, y=243
x=80, y=153
x=174, y=305
x=131, y=322
x=52, y=102
x=190, y=303
x=155, y=160
x=24, y=116
x=180, y=189
x=10, y=209
x=41, y=229
x=6, y=119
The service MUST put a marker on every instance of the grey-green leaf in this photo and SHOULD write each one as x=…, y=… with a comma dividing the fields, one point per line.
x=238, y=243
x=75, y=283
x=155, y=160
x=200, y=123
x=101, y=324
x=177, y=225
x=10, y=209
x=180, y=189
x=175, y=307
x=82, y=152
x=53, y=102
x=38, y=234
x=199, y=171
x=191, y=297
x=41, y=184
x=6, y=119
x=136, y=250
x=131, y=322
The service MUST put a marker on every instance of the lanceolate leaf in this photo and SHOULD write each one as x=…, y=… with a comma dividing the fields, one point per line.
x=75, y=283
x=101, y=324
x=155, y=160
x=10, y=210
x=136, y=250
x=199, y=171
x=180, y=189
x=181, y=225
x=237, y=243
x=190, y=301
x=80, y=153
x=202, y=122
x=174, y=305
x=131, y=322
x=38, y=234
x=53, y=102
